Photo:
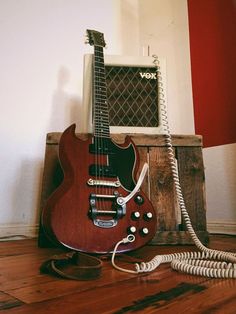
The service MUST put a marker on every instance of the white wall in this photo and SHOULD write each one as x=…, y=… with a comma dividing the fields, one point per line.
x=164, y=27
x=41, y=56
x=41, y=80
x=220, y=171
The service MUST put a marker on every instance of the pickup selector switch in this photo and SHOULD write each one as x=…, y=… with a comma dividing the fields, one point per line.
x=135, y=215
x=139, y=199
x=148, y=216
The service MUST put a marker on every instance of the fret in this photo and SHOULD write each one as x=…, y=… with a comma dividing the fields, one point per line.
x=101, y=112
x=99, y=136
x=101, y=89
x=100, y=102
x=101, y=107
x=98, y=83
x=99, y=66
x=102, y=122
x=101, y=132
x=101, y=99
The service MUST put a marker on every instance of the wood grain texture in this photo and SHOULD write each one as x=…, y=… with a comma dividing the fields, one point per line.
x=192, y=180
x=139, y=139
x=24, y=290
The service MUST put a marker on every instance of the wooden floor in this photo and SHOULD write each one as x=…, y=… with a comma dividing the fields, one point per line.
x=25, y=290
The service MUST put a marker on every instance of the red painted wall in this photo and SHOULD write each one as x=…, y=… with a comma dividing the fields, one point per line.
x=212, y=30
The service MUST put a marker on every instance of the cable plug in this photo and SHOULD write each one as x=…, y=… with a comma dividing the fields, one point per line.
x=130, y=238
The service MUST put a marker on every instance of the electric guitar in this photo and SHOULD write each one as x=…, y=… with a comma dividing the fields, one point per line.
x=99, y=201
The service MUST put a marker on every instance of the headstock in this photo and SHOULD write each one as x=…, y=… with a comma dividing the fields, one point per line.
x=95, y=38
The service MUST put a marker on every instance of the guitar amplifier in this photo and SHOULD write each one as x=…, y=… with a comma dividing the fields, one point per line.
x=132, y=94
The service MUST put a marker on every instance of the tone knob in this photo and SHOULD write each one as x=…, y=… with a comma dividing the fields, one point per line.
x=139, y=200
x=135, y=215
x=144, y=231
x=132, y=229
x=148, y=216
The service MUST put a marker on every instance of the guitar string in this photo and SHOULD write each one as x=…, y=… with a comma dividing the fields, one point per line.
x=101, y=113
x=96, y=138
x=108, y=188
x=105, y=122
x=105, y=127
x=100, y=142
x=94, y=121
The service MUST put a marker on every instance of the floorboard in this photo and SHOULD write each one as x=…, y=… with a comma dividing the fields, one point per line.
x=25, y=290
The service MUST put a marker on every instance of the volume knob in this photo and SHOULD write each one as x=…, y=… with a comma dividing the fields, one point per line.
x=144, y=231
x=132, y=229
x=148, y=216
x=135, y=215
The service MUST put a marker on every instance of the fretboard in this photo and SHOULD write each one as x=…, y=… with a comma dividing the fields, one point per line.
x=100, y=108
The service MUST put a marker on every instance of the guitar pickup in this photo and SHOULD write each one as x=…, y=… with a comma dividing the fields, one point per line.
x=102, y=171
x=100, y=149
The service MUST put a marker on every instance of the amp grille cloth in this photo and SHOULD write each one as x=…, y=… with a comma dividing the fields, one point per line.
x=132, y=96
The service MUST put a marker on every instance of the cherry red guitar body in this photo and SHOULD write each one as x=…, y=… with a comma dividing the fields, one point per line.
x=82, y=213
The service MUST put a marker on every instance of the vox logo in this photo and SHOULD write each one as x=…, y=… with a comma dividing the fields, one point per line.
x=148, y=75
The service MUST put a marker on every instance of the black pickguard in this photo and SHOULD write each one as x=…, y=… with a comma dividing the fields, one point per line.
x=123, y=160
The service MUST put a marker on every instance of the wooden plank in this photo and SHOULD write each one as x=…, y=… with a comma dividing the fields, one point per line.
x=140, y=139
x=162, y=189
x=218, y=297
x=159, y=139
x=8, y=302
x=23, y=270
x=178, y=237
x=192, y=180
x=19, y=247
x=58, y=287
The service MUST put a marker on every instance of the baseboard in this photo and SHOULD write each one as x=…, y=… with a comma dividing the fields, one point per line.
x=8, y=231
x=223, y=227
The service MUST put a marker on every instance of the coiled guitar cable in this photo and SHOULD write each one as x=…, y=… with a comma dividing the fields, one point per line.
x=207, y=262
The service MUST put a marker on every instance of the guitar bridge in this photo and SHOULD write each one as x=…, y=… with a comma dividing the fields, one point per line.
x=116, y=211
x=92, y=182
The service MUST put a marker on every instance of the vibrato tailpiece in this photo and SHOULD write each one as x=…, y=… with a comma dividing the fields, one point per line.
x=118, y=206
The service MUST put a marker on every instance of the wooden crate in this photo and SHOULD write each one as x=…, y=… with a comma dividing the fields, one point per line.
x=158, y=184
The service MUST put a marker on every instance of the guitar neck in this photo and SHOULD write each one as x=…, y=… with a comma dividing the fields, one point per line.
x=100, y=107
